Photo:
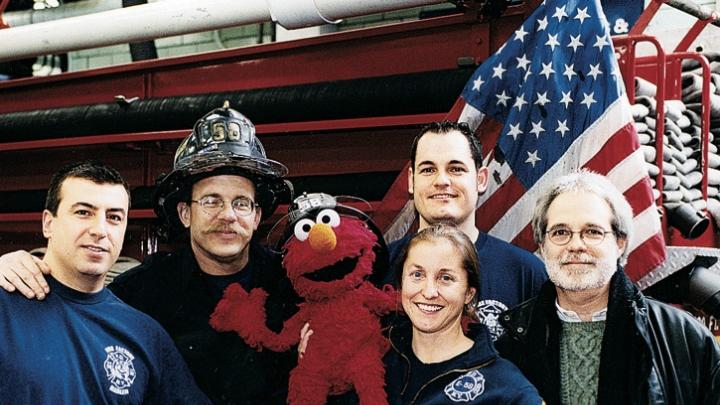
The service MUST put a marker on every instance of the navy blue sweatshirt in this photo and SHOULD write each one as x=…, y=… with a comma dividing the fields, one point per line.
x=475, y=377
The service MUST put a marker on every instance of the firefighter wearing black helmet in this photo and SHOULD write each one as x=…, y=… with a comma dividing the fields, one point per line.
x=223, y=142
x=221, y=186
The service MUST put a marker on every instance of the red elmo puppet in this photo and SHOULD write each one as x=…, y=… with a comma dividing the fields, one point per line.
x=328, y=258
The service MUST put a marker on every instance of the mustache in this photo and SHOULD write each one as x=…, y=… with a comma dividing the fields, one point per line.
x=221, y=228
x=578, y=257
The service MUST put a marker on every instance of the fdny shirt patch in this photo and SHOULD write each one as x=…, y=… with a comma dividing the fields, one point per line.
x=489, y=313
x=466, y=388
x=119, y=369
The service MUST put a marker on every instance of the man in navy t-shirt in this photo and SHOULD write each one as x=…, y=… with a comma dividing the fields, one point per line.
x=82, y=345
x=445, y=177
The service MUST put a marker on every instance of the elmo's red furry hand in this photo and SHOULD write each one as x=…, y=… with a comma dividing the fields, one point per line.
x=240, y=312
x=327, y=262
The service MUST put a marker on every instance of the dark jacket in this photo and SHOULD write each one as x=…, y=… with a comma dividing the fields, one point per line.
x=651, y=353
x=478, y=376
x=171, y=288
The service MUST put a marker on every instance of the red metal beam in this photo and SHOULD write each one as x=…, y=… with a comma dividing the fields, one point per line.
x=675, y=58
x=646, y=16
x=627, y=63
x=351, y=123
x=93, y=140
x=694, y=31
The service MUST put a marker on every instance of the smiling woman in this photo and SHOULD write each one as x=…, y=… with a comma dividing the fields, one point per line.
x=432, y=359
x=435, y=285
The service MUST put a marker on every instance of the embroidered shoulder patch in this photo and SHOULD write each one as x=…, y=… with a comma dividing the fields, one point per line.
x=466, y=388
x=489, y=313
x=119, y=369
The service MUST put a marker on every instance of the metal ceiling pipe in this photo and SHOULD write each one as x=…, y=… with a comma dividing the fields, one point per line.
x=131, y=24
x=292, y=14
x=67, y=10
x=164, y=19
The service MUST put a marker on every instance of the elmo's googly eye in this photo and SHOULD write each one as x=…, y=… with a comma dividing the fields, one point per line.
x=328, y=217
x=302, y=229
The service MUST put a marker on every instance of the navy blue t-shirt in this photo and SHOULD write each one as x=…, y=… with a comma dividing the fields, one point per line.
x=509, y=275
x=80, y=348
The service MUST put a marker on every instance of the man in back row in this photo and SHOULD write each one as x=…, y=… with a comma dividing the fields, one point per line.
x=83, y=345
x=221, y=186
x=445, y=178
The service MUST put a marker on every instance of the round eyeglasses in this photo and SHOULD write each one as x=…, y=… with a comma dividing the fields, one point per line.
x=592, y=235
x=213, y=205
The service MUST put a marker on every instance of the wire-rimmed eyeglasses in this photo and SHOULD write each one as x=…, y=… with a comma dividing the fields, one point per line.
x=592, y=235
x=213, y=205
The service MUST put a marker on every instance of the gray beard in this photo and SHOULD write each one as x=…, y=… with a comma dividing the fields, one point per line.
x=575, y=280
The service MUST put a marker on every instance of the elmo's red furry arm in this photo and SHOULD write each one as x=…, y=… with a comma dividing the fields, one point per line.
x=380, y=302
x=244, y=314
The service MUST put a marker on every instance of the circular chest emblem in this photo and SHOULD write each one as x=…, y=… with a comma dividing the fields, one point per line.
x=489, y=313
x=119, y=369
x=466, y=388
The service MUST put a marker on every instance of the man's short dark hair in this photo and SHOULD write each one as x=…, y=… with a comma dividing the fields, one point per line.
x=444, y=127
x=93, y=170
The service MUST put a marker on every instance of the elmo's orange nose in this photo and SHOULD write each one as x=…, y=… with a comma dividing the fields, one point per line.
x=322, y=238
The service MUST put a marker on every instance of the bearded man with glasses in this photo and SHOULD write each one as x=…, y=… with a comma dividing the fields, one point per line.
x=591, y=337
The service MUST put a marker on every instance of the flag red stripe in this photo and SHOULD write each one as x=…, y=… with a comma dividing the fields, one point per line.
x=489, y=133
x=496, y=207
x=525, y=239
x=646, y=257
x=616, y=149
x=639, y=196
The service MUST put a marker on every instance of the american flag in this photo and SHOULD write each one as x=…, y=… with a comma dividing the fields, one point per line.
x=556, y=88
